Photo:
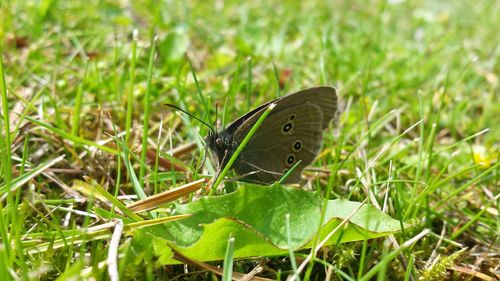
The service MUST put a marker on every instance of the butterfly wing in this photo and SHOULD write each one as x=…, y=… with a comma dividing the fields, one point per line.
x=291, y=133
x=266, y=156
x=325, y=97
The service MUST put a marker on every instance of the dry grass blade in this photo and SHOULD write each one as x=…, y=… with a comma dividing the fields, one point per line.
x=112, y=259
x=236, y=275
x=183, y=149
x=474, y=273
x=165, y=197
x=151, y=222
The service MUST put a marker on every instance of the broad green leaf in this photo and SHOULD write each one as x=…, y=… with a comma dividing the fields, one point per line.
x=255, y=217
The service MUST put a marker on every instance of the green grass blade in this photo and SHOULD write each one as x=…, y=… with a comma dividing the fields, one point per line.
x=78, y=103
x=147, y=106
x=131, y=88
x=289, y=172
x=228, y=260
x=240, y=148
x=68, y=136
x=198, y=88
x=249, y=82
x=136, y=184
x=25, y=177
x=474, y=180
x=93, y=189
x=390, y=256
x=293, y=262
x=6, y=156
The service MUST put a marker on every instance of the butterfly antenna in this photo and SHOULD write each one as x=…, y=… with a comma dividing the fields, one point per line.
x=191, y=115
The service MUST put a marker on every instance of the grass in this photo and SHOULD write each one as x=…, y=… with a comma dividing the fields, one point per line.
x=82, y=87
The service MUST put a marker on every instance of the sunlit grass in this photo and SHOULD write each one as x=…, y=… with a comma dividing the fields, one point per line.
x=82, y=95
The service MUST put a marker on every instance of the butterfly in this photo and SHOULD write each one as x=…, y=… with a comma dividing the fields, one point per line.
x=292, y=132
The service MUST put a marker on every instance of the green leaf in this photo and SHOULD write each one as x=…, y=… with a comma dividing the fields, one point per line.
x=255, y=216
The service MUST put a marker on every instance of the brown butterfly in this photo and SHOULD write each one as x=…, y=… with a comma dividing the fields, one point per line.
x=293, y=131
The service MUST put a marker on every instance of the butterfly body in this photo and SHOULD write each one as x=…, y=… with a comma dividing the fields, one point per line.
x=291, y=132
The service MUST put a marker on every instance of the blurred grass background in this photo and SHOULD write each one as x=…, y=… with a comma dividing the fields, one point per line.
x=431, y=60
